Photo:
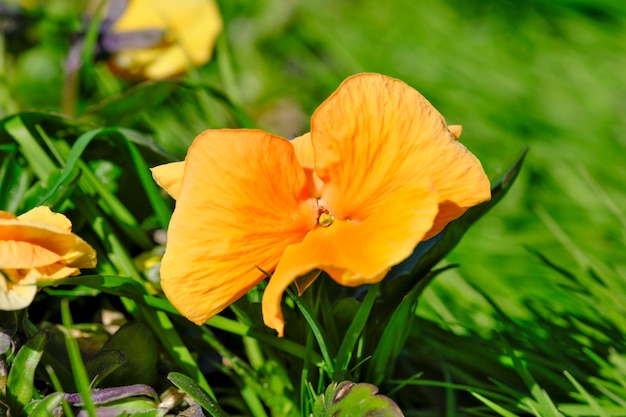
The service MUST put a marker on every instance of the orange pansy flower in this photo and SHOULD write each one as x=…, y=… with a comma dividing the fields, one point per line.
x=190, y=27
x=37, y=245
x=379, y=172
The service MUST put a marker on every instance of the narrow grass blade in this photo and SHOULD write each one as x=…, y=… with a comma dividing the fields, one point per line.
x=161, y=209
x=58, y=388
x=329, y=365
x=253, y=402
x=70, y=162
x=76, y=361
x=189, y=386
x=593, y=403
x=395, y=330
x=170, y=339
x=356, y=328
x=13, y=183
x=109, y=203
x=495, y=407
x=37, y=158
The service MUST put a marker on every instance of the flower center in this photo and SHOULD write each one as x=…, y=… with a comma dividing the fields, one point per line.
x=324, y=217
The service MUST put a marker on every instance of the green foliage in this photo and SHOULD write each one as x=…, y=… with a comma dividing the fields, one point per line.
x=19, y=385
x=189, y=386
x=137, y=344
x=347, y=399
x=524, y=318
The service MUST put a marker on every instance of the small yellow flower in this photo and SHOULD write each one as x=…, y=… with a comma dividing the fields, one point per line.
x=379, y=172
x=37, y=245
x=190, y=28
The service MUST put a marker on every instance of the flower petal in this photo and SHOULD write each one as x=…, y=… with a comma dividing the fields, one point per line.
x=15, y=296
x=375, y=135
x=16, y=255
x=4, y=215
x=456, y=130
x=43, y=214
x=192, y=26
x=355, y=253
x=28, y=244
x=55, y=271
x=304, y=152
x=242, y=201
x=169, y=177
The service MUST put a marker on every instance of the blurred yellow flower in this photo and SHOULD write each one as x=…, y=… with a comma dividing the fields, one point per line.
x=379, y=172
x=37, y=245
x=190, y=29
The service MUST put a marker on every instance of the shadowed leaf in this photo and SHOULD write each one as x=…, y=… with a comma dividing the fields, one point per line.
x=346, y=399
x=20, y=386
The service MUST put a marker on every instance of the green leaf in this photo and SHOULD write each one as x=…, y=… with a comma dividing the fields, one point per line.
x=347, y=399
x=189, y=386
x=20, y=386
x=123, y=107
x=120, y=286
x=44, y=407
x=103, y=364
x=14, y=182
x=138, y=345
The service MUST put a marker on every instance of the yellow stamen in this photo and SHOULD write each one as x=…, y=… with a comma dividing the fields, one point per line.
x=325, y=219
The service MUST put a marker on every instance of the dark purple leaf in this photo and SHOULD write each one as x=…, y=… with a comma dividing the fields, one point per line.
x=106, y=395
x=115, y=42
x=116, y=10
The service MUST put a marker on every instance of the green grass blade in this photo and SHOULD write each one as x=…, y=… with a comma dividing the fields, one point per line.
x=38, y=160
x=189, y=386
x=593, y=403
x=70, y=162
x=67, y=409
x=395, y=332
x=357, y=325
x=169, y=337
x=109, y=203
x=120, y=286
x=328, y=365
x=495, y=407
x=253, y=402
x=161, y=209
x=76, y=361
x=14, y=182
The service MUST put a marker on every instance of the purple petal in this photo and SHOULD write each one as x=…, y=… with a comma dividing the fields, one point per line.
x=115, y=42
x=116, y=10
x=106, y=395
